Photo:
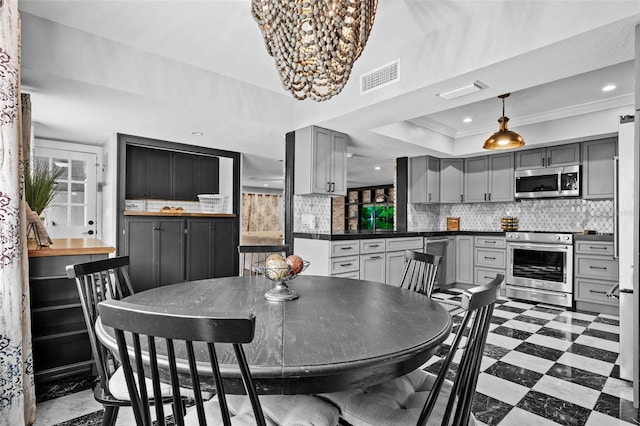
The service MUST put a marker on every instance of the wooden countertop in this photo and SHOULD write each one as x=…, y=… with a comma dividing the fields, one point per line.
x=70, y=246
x=173, y=213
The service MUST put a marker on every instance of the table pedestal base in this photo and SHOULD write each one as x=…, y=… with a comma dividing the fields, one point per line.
x=280, y=293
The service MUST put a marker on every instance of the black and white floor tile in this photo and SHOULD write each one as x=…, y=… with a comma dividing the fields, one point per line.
x=543, y=366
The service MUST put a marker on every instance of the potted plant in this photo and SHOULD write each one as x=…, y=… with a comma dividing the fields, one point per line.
x=40, y=186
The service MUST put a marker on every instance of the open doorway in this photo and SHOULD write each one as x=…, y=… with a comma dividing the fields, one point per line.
x=262, y=218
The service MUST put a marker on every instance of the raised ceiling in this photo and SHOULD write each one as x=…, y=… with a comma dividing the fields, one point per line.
x=166, y=69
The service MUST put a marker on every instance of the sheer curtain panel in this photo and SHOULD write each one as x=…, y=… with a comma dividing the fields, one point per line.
x=17, y=396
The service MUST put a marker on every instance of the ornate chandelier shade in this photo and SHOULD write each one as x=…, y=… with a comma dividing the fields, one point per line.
x=504, y=138
x=314, y=42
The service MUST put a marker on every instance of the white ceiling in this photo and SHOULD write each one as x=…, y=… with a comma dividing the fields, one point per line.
x=163, y=69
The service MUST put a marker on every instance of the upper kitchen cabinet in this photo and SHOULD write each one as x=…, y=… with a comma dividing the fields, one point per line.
x=167, y=175
x=489, y=178
x=320, y=162
x=451, y=180
x=148, y=173
x=598, y=168
x=424, y=180
x=553, y=156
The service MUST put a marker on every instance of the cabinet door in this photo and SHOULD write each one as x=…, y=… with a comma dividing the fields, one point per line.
x=372, y=267
x=225, y=248
x=208, y=176
x=501, y=177
x=450, y=261
x=394, y=266
x=464, y=259
x=140, y=242
x=321, y=160
x=563, y=155
x=451, y=180
x=183, y=176
x=338, y=170
x=158, y=174
x=598, y=168
x=170, y=249
x=531, y=159
x=475, y=179
x=200, y=247
x=136, y=167
x=433, y=180
x=417, y=180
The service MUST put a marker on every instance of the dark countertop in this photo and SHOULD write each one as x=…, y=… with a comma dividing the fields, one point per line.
x=362, y=234
x=598, y=237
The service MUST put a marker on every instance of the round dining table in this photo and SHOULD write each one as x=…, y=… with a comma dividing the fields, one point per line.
x=339, y=334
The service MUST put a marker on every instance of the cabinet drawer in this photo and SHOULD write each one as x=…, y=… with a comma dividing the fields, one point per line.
x=485, y=275
x=344, y=248
x=345, y=264
x=372, y=246
x=405, y=243
x=353, y=275
x=490, y=258
x=492, y=242
x=601, y=248
x=594, y=291
x=597, y=267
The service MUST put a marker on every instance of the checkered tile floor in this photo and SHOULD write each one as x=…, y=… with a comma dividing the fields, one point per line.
x=544, y=365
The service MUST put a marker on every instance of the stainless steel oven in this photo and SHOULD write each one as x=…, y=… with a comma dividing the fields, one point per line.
x=540, y=267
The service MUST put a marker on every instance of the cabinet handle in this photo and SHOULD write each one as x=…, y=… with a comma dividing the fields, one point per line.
x=488, y=278
x=489, y=242
x=333, y=187
x=460, y=197
x=327, y=186
x=597, y=291
x=485, y=196
x=548, y=161
x=490, y=258
x=604, y=268
x=346, y=248
x=489, y=196
x=374, y=245
x=597, y=248
x=375, y=257
x=212, y=228
x=156, y=229
x=429, y=196
x=346, y=264
x=543, y=161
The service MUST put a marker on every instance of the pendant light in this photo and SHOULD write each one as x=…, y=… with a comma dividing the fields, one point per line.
x=504, y=138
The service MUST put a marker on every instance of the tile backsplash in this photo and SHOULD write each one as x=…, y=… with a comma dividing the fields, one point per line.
x=312, y=214
x=561, y=215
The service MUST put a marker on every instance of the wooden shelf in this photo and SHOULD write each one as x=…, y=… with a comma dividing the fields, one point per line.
x=365, y=196
x=59, y=330
x=57, y=304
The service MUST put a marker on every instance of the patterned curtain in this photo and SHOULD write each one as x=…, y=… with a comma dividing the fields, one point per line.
x=17, y=392
x=260, y=212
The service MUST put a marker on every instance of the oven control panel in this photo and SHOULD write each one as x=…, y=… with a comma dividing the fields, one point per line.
x=540, y=237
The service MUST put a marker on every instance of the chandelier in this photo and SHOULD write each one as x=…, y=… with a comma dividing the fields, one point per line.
x=504, y=138
x=314, y=42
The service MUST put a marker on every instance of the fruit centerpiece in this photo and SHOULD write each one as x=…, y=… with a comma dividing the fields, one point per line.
x=280, y=270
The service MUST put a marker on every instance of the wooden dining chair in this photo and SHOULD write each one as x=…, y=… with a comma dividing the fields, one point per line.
x=158, y=339
x=420, y=270
x=98, y=281
x=421, y=398
x=250, y=255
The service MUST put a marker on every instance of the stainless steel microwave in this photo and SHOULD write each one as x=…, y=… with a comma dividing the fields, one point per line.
x=548, y=182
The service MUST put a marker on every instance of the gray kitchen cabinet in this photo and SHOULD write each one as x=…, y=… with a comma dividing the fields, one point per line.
x=394, y=256
x=464, y=259
x=598, y=168
x=553, y=156
x=372, y=267
x=424, y=180
x=489, y=178
x=450, y=261
x=194, y=174
x=451, y=180
x=321, y=162
x=595, y=273
x=148, y=173
x=156, y=250
x=210, y=248
x=490, y=259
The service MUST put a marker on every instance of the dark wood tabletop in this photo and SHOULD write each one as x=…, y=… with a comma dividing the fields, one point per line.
x=339, y=334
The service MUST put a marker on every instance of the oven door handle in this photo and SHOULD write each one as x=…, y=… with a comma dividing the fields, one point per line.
x=536, y=246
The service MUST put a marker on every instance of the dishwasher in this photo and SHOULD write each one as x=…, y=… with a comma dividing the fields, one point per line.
x=438, y=247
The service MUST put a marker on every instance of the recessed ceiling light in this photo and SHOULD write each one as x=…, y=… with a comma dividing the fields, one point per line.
x=609, y=87
x=265, y=184
x=377, y=168
x=468, y=120
x=197, y=133
x=349, y=154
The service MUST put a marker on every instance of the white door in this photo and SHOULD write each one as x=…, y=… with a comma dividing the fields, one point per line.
x=72, y=214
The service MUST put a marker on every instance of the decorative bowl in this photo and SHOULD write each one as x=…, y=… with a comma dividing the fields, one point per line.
x=279, y=275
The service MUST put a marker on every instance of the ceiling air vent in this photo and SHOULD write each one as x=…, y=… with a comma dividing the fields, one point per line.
x=383, y=76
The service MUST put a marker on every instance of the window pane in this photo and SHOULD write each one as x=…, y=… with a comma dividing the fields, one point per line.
x=56, y=215
x=61, y=164
x=77, y=216
x=40, y=162
x=77, y=193
x=78, y=170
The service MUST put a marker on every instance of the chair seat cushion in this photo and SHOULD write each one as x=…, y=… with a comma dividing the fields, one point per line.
x=285, y=410
x=394, y=403
x=118, y=388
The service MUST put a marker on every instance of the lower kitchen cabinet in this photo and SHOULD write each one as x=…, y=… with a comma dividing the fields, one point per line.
x=372, y=260
x=464, y=259
x=59, y=335
x=166, y=251
x=450, y=261
x=595, y=273
x=394, y=256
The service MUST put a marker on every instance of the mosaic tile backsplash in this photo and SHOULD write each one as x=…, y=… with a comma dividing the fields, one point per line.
x=562, y=215
x=317, y=206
